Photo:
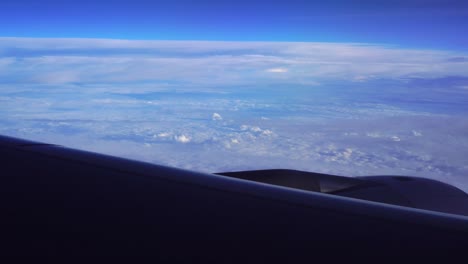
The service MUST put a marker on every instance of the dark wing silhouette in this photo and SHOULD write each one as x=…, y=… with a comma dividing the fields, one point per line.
x=57, y=201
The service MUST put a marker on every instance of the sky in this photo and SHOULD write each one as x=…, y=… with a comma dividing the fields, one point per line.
x=343, y=87
x=410, y=23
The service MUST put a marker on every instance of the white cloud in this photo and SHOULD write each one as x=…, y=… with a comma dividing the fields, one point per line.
x=362, y=78
x=277, y=70
x=182, y=138
x=256, y=129
x=163, y=135
x=78, y=97
x=216, y=117
x=347, y=153
x=82, y=60
x=319, y=146
x=373, y=134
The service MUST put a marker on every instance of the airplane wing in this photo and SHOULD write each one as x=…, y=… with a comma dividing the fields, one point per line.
x=57, y=201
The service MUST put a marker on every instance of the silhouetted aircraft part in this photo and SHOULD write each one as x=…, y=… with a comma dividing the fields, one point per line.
x=57, y=201
x=397, y=190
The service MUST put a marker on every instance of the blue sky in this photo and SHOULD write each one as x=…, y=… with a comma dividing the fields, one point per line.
x=412, y=23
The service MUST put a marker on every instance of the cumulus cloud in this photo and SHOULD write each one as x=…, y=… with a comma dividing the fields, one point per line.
x=163, y=135
x=256, y=129
x=216, y=117
x=347, y=153
x=182, y=138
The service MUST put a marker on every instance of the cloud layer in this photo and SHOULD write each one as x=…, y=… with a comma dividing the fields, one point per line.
x=60, y=61
x=342, y=108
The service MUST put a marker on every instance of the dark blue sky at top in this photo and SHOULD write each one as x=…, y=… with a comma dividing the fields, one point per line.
x=438, y=24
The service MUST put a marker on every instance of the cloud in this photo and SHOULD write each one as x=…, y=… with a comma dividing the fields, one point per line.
x=362, y=78
x=378, y=109
x=98, y=61
x=277, y=70
x=163, y=135
x=256, y=129
x=363, y=146
x=182, y=138
x=216, y=117
x=347, y=153
x=458, y=59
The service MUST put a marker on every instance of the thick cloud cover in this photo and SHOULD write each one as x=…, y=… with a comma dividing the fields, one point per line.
x=343, y=108
x=57, y=61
